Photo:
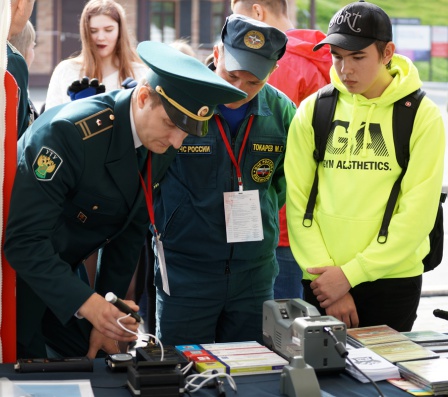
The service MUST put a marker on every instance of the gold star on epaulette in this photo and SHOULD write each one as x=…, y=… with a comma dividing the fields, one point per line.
x=95, y=124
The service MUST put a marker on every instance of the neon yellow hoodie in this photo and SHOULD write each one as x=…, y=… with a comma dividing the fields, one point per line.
x=355, y=180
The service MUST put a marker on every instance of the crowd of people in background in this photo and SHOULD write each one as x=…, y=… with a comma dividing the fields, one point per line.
x=194, y=176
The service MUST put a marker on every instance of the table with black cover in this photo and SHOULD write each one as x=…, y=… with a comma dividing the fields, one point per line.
x=106, y=383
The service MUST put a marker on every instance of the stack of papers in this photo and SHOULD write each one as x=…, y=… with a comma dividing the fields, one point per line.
x=427, y=373
x=374, y=366
x=432, y=340
x=388, y=343
x=239, y=358
x=374, y=335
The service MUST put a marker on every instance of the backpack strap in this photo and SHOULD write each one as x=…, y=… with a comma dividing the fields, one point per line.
x=324, y=109
x=402, y=124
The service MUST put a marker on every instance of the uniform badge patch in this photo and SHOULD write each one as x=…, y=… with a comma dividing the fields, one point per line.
x=254, y=39
x=262, y=170
x=46, y=164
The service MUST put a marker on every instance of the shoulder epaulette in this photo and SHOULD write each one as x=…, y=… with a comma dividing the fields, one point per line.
x=95, y=124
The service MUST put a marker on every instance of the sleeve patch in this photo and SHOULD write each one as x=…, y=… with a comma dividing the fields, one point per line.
x=46, y=164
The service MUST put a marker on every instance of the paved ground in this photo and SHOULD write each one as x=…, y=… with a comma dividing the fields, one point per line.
x=435, y=283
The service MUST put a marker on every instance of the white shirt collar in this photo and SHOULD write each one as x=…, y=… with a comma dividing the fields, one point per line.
x=137, y=141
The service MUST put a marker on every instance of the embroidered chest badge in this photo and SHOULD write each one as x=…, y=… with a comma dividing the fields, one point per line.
x=46, y=164
x=262, y=170
x=254, y=39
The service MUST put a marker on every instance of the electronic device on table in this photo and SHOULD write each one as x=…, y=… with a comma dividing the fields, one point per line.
x=150, y=376
x=293, y=327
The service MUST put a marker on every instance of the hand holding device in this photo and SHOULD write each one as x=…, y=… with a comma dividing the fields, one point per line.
x=85, y=88
x=120, y=305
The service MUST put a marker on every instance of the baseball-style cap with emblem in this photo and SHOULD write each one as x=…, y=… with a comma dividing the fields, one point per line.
x=251, y=45
x=189, y=90
x=356, y=26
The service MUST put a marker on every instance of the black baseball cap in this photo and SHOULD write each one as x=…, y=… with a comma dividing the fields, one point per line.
x=251, y=45
x=356, y=26
x=189, y=90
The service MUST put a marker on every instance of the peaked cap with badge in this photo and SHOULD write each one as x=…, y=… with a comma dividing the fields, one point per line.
x=188, y=89
x=356, y=26
x=251, y=45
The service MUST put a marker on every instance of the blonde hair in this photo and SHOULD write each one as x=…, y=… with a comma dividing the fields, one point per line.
x=22, y=41
x=124, y=51
x=183, y=46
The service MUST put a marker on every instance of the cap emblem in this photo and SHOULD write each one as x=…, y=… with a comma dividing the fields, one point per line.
x=254, y=39
x=202, y=112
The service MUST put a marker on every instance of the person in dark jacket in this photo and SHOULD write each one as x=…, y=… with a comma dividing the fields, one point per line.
x=217, y=206
x=80, y=186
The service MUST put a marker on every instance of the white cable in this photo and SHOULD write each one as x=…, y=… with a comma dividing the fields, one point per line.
x=142, y=334
x=192, y=387
x=190, y=379
x=185, y=369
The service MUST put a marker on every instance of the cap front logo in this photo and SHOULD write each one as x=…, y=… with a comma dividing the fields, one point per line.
x=347, y=18
x=254, y=39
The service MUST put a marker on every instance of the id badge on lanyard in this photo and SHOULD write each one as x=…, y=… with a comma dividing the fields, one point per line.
x=157, y=243
x=242, y=208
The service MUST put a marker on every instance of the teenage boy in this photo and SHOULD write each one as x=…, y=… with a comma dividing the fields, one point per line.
x=348, y=273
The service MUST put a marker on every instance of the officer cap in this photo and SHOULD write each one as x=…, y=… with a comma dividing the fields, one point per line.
x=251, y=45
x=189, y=90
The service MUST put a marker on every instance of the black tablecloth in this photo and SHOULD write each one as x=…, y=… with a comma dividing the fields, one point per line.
x=106, y=383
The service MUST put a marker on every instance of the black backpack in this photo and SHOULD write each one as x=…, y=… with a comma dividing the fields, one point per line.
x=403, y=120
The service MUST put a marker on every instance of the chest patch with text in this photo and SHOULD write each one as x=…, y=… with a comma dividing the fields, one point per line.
x=195, y=149
x=266, y=148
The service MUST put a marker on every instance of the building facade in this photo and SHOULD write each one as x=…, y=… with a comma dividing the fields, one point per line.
x=57, y=27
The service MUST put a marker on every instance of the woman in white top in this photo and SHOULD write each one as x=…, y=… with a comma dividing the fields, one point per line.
x=106, y=53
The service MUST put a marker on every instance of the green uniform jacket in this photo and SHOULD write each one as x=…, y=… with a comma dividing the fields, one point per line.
x=77, y=189
x=189, y=206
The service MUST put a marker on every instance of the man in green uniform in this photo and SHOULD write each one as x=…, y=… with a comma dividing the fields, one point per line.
x=80, y=187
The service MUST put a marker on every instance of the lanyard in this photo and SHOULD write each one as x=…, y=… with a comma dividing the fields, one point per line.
x=148, y=191
x=229, y=149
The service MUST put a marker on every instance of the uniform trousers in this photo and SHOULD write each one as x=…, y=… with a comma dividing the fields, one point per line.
x=392, y=301
x=225, y=305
